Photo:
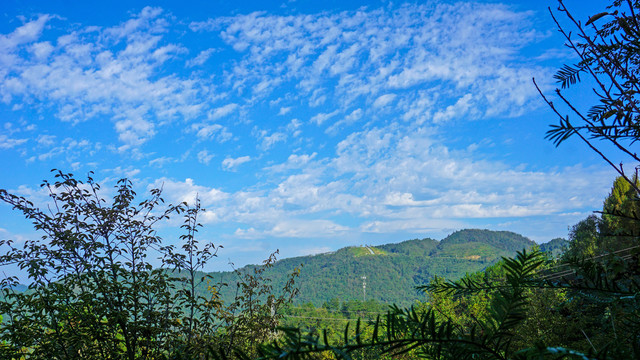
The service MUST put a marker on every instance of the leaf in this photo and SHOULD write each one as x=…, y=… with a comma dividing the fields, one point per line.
x=569, y=75
x=596, y=17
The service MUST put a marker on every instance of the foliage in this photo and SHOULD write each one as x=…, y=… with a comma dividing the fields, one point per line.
x=555, y=247
x=392, y=272
x=332, y=317
x=253, y=316
x=609, y=56
x=506, y=240
x=584, y=238
x=620, y=225
x=427, y=334
x=93, y=291
x=95, y=294
x=520, y=308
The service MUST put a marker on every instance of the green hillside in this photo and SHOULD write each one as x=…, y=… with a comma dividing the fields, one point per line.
x=555, y=247
x=392, y=271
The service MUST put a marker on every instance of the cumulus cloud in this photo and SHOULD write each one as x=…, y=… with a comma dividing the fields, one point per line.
x=222, y=111
x=207, y=131
x=294, y=161
x=295, y=229
x=269, y=140
x=46, y=140
x=351, y=118
x=384, y=100
x=394, y=181
x=322, y=117
x=284, y=110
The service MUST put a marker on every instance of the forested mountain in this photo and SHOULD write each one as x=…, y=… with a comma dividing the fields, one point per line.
x=555, y=247
x=392, y=271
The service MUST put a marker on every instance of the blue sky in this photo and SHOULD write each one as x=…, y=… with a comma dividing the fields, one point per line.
x=302, y=126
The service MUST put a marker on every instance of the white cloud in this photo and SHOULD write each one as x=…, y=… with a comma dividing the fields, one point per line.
x=9, y=143
x=387, y=181
x=384, y=100
x=294, y=127
x=354, y=116
x=24, y=34
x=204, y=157
x=222, y=111
x=187, y=191
x=231, y=164
x=202, y=57
x=295, y=229
x=268, y=141
x=322, y=117
x=211, y=131
x=294, y=161
x=161, y=161
x=284, y=110
x=399, y=74
x=82, y=77
x=134, y=132
x=46, y=140
x=463, y=47
x=462, y=107
x=410, y=225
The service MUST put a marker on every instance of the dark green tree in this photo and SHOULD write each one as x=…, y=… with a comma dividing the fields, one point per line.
x=620, y=214
x=584, y=238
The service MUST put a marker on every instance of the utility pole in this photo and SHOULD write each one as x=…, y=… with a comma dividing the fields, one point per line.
x=364, y=289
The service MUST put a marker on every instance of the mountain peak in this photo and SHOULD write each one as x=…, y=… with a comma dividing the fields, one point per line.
x=505, y=240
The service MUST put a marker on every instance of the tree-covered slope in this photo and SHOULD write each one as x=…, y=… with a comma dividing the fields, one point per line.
x=555, y=247
x=392, y=271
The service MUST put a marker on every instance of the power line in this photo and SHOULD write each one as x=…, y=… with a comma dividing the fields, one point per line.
x=598, y=256
x=563, y=273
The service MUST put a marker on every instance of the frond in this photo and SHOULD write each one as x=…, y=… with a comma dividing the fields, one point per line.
x=569, y=75
x=559, y=133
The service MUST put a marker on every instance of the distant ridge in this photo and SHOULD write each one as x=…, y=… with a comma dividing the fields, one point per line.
x=393, y=270
x=505, y=240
